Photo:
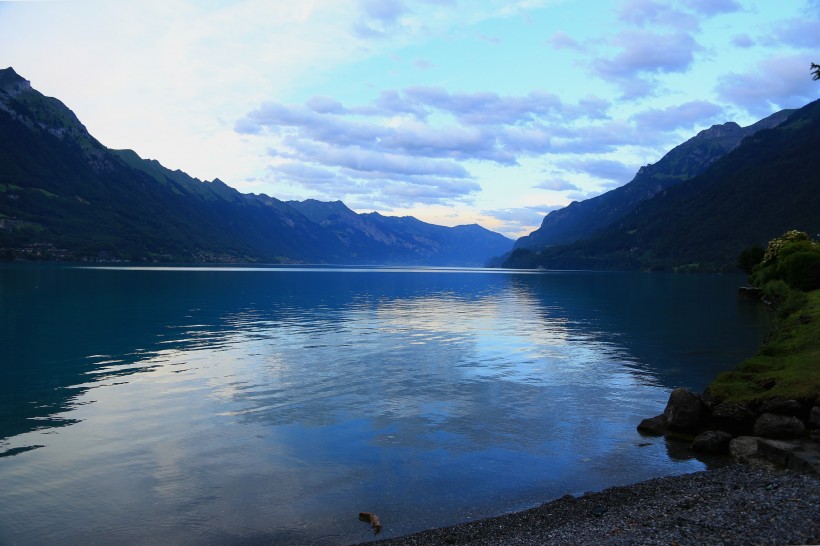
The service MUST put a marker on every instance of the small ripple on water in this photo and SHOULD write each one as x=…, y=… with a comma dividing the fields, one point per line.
x=416, y=405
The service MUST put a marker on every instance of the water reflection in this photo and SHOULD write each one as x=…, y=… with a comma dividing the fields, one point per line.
x=271, y=405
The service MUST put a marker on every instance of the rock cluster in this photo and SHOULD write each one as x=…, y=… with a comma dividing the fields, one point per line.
x=712, y=425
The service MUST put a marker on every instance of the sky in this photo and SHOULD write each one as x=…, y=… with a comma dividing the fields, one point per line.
x=453, y=111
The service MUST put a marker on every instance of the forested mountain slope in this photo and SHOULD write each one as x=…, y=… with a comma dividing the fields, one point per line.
x=581, y=219
x=767, y=185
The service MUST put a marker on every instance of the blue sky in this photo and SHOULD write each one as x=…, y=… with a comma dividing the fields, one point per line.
x=455, y=112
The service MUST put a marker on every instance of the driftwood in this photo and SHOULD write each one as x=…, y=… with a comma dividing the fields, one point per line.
x=373, y=519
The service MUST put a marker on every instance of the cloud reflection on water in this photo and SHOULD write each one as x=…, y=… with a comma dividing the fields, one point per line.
x=234, y=403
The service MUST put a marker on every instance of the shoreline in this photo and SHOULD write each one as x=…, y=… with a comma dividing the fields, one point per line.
x=734, y=504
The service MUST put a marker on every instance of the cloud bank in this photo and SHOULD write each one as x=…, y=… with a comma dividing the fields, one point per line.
x=424, y=139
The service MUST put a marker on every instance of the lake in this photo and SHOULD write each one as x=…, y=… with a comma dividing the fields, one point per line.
x=225, y=405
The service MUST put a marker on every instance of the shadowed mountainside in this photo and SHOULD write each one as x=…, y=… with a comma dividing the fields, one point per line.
x=765, y=186
x=580, y=220
x=63, y=195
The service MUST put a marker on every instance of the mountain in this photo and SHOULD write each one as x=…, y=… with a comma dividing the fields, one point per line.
x=768, y=184
x=63, y=195
x=390, y=239
x=580, y=220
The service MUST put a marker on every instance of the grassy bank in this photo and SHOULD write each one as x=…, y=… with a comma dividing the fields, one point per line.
x=787, y=365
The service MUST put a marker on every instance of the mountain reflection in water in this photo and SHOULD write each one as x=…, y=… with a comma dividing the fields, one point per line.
x=191, y=405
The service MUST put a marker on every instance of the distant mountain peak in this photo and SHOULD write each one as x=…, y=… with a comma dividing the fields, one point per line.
x=64, y=192
x=720, y=130
x=12, y=83
x=580, y=220
x=30, y=107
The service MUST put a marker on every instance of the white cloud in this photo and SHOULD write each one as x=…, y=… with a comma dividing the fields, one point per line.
x=687, y=115
x=562, y=40
x=557, y=184
x=652, y=12
x=743, y=41
x=803, y=33
x=434, y=146
x=648, y=52
x=519, y=221
x=605, y=169
x=773, y=84
x=387, y=101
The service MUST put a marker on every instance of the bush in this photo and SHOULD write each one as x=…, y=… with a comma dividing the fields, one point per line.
x=783, y=297
x=801, y=270
x=777, y=246
x=794, y=302
x=793, y=258
x=776, y=292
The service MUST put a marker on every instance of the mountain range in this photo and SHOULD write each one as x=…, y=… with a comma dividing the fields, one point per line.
x=63, y=195
x=581, y=219
x=696, y=209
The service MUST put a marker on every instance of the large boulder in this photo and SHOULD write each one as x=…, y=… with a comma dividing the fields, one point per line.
x=735, y=419
x=744, y=448
x=814, y=417
x=781, y=406
x=770, y=425
x=654, y=426
x=683, y=410
x=712, y=441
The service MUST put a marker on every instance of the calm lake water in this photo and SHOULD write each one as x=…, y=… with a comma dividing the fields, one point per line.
x=272, y=405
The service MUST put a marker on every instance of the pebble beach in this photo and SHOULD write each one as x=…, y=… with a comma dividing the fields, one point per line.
x=736, y=504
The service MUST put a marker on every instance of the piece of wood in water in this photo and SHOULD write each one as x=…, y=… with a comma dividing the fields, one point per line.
x=372, y=519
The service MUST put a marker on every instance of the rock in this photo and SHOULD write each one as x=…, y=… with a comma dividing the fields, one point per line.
x=781, y=406
x=770, y=425
x=735, y=419
x=599, y=511
x=708, y=399
x=683, y=410
x=750, y=292
x=814, y=417
x=743, y=448
x=796, y=455
x=654, y=426
x=712, y=441
x=768, y=385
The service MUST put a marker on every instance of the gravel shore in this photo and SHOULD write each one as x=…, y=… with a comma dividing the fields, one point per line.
x=736, y=504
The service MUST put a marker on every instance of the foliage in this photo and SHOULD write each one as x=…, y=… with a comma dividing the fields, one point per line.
x=781, y=244
x=792, y=258
x=785, y=366
x=783, y=297
x=802, y=270
x=815, y=68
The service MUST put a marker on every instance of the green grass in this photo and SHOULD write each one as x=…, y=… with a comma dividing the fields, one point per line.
x=787, y=365
x=5, y=188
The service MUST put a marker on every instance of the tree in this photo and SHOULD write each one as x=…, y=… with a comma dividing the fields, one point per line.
x=750, y=257
x=815, y=68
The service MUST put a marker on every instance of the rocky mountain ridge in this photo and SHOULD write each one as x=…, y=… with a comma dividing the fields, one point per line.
x=764, y=186
x=63, y=195
x=580, y=220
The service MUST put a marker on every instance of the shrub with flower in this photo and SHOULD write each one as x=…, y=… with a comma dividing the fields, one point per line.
x=777, y=245
x=792, y=258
